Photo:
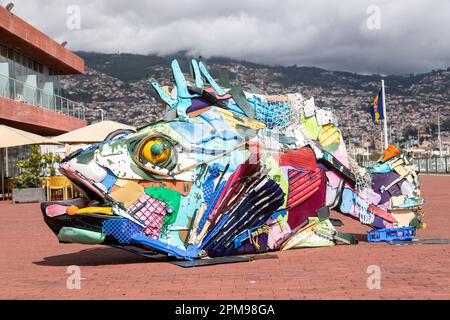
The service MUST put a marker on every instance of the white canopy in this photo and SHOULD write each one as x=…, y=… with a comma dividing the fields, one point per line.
x=12, y=137
x=93, y=133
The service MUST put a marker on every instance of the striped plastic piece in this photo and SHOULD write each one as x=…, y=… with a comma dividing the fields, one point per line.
x=302, y=185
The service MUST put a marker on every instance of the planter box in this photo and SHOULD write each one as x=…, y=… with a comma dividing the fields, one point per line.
x=28, y=195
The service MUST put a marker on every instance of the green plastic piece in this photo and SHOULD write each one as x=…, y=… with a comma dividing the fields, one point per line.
x=346, y=238
x=224, y=78
x=172, y=199
x=85, y=158
x=239, y=97
x=312, y=128
x=156, y=149
x=276, y=174
x=76, y=235
x=254, y=89
x=416, y=222
x=323, y=213
x=332, y=147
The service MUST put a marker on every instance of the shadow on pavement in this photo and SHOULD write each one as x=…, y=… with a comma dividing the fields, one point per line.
x=98, y=257
x=361, y=237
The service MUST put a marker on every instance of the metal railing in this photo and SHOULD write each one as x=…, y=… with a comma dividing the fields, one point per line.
x=367, y=163
x=20, y=91
x=423, y=165
x=432, y=165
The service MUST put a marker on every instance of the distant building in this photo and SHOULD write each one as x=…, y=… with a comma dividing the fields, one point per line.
x=31, y=64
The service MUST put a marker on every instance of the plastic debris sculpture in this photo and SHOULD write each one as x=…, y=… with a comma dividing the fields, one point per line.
x=229, y=172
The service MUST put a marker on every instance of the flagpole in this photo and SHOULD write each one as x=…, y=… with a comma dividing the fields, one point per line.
x=386, y=141
x=439, y=133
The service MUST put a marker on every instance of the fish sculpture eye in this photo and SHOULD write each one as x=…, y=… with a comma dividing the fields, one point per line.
x=155, y=150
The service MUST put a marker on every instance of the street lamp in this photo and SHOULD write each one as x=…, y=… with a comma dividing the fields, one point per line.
x=439, y=133
x=9, y=6
x=102, y=114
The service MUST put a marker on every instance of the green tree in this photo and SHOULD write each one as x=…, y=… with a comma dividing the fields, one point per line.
x=33, y=168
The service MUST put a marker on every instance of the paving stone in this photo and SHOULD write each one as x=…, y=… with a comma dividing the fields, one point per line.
x=33, y=265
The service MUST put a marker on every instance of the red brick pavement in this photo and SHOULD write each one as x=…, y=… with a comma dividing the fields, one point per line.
x=33, y=265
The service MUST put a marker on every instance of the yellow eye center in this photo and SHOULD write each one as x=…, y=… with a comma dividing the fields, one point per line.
x=156, y=151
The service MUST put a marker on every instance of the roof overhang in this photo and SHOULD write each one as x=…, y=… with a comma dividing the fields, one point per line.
x=20, y=35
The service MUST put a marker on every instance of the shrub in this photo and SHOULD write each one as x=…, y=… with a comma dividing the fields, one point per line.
x=34, y=167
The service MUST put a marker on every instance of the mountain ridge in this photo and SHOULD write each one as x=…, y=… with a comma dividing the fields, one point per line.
x=134, y=67
x=118, y=84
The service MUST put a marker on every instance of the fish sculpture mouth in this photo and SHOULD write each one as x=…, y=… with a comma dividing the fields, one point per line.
x=91, y=192
x=62, y=214
x=229, y=172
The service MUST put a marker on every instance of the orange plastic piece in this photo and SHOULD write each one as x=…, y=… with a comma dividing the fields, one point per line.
x=390, y=153
x=72, y=210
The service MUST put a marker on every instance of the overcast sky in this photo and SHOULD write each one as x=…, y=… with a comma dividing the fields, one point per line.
x=410, y=36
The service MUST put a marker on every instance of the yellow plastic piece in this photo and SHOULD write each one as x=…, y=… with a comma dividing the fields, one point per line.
x=73, y=210
x=101, y=210
x=329, y=135
x=240, y=120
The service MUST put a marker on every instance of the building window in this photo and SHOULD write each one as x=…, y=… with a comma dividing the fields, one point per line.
x=21, y=59
x=3, y=51
x=17, y=57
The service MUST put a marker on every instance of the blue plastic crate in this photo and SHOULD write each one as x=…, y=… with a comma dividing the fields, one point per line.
x=121, y=229
x=390, y=234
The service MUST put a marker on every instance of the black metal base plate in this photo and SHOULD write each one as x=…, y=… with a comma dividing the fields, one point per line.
x=420, y=241
x=211, y=261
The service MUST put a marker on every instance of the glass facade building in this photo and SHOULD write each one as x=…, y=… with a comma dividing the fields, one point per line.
x=27, y=80
x=24, y=79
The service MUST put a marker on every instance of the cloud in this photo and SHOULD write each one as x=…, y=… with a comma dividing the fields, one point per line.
x=329, y=34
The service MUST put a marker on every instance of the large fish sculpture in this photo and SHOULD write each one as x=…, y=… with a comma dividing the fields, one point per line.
x=227, y=172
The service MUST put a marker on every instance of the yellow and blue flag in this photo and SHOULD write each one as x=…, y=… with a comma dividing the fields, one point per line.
x=376, y=110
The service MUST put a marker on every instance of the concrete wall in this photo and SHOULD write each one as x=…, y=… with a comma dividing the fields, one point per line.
x=35, y=119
